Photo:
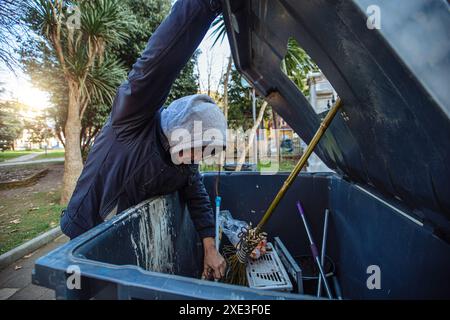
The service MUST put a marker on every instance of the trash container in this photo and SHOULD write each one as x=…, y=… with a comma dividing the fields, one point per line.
x=151, y=251
x=389, y=204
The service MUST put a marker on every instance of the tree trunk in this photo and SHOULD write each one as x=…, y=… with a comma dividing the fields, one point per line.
x=73, y=163
x=277, y=137
x=252, y=136
x=225, y=87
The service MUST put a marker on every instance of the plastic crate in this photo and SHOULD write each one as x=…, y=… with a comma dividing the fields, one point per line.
x=268, y=273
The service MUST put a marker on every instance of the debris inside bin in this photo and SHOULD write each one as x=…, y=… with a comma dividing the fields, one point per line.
x=237, y=231
x=314, y=250
x=250, y=238
x=234, y=229
x=292, y=267
x=263, y=270
x=323, y=250
x=268, y=272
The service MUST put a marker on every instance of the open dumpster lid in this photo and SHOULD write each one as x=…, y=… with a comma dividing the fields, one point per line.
x=393, y=131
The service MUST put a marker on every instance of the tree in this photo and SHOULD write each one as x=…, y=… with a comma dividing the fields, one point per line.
x=297, y=64
x=38, y=62
x=148, y=15
x=76, y=36
x=10, y=29
x=187, y=82
x=10, y=125
x=252, y=135
x=226, y=80
x=38, y=129
x=240, y=102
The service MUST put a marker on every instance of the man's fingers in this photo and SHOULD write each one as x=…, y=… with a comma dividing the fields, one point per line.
x=217, y=274
x=223, y=268
x=219, y=271
x=206, y=273
x=215, y=269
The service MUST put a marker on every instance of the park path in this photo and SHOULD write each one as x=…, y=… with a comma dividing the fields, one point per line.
x=15, y=280
x=23, y=158
x=15, y=163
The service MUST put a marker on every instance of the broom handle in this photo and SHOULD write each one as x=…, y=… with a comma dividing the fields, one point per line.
x=301, y=163
x=322, y=254
x=218, y=200
x=314, y=250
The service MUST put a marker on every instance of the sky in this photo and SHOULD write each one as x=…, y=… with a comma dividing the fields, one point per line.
x=216, y=56
x=18, y=87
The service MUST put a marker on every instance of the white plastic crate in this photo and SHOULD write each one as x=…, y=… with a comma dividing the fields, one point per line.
x=268, y=273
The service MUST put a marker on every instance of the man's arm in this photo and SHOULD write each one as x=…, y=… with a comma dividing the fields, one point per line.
x=202, y=216
x=167, y=52
x=199, y=205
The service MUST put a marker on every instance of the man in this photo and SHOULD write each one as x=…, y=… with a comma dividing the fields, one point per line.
x=135, y=157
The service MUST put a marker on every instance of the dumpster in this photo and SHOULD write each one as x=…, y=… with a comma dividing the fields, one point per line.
x=151, y=251
x=389, y=147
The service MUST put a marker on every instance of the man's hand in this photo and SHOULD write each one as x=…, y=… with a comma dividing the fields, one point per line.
x=214, y=264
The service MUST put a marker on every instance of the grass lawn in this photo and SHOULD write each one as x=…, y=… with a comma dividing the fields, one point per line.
x=27, y=212
x=51, y=154
x=6, y=155
x=20, y=223
x=286, y=165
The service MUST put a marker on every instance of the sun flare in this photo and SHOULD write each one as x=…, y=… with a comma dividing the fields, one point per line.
x=31, y=96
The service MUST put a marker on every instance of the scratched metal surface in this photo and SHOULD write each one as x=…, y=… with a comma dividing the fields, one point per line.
x=394, y=129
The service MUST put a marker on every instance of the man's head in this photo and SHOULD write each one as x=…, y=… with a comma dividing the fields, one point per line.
x=195, y=128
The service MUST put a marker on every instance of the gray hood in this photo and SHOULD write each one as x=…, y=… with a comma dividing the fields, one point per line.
x=193, y=121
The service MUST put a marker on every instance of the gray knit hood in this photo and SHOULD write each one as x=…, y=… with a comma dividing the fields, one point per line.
x=192, y=122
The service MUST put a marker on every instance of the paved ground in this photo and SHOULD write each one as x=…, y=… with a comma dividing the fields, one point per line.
x=23, y=158
x=15, y=163
x=15, y=280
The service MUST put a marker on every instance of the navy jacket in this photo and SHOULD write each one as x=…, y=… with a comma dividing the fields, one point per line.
x=130, y=160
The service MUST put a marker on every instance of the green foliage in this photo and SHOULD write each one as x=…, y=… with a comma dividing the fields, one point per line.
x=40, y=64
x=11, y=126
x=138, y=20
x=10, y=28
x=86, y=32
x=240, y=103
x=147, y=16
x=38, y=129
x=219, y=30
x=187, y=82
x=297, y=64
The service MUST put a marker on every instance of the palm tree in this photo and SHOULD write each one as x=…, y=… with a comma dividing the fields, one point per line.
x=297, y=64
x=11, y=28
x=78, y=33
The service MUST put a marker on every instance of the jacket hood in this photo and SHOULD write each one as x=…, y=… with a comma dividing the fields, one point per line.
x=192, y=122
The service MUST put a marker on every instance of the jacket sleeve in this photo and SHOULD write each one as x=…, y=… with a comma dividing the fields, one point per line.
x=168, y=50
x=199, y=205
